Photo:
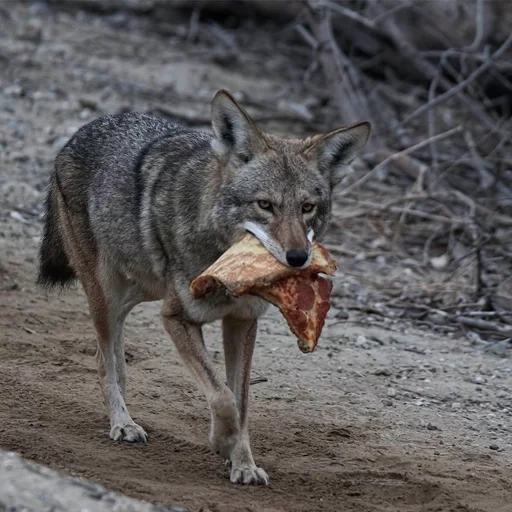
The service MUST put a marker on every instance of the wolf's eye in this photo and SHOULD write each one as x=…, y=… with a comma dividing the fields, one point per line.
x=307, y=207
x=265, y=205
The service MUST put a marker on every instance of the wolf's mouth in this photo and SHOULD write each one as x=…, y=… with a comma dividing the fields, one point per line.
x=274, y=247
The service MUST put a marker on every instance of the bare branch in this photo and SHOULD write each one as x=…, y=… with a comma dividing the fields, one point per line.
x=398, y=155
x=456, y=89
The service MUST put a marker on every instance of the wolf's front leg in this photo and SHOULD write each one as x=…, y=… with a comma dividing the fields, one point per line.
x=239, y=337
x=226, y=437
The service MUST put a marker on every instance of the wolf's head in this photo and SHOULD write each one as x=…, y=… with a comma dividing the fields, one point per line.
x=278, y=189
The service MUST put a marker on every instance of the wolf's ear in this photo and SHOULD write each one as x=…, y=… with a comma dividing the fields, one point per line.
x=234, y=129
x=337, y=149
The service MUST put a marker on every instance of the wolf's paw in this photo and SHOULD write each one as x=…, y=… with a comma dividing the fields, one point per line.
x=130, y=433
x=249, y=475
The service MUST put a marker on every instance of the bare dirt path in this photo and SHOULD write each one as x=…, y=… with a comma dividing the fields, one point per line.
x=382, y=417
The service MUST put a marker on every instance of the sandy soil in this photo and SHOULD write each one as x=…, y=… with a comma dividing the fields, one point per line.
x=384, y=416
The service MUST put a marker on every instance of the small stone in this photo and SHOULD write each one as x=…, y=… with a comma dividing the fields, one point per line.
x=381, y=260
x=438, y=319
x=17, y=216
x=494, y=447
x=342, y=314
x=15, y=91
x=361, y=340
x=478, y=379
x=440, y=262
x=430, y=426
x=85, y=114
x=391, y=392
x=388, y=403
x=89, y=103
x=384, y=372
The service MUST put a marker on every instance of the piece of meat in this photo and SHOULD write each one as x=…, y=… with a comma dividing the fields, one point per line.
x=301, y=295
x=247, y=265
x=304, y=303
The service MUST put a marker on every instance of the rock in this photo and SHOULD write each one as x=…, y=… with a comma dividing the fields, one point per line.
x=391, y=392
x=361, y=340
x=494, y=447
x=440, y=262
x=89, y=103
x=17, y=216
x=478, y=379
x=385, y=372
x=381, y=260
x=85, y=114
x=28, y=486
x=341, y=314
x=438, y=318
x=430, y=426
x=15, y=91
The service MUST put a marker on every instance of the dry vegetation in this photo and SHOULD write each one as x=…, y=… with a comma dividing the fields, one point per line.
x=434, y=190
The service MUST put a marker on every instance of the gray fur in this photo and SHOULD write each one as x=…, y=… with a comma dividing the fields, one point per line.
x=155, y=204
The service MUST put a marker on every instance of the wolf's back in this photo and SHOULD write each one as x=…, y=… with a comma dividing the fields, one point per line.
x=103, y=159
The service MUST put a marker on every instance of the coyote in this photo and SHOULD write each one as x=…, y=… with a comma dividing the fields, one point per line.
x=138, y=207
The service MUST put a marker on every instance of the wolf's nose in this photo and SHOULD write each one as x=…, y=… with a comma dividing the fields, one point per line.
x=296, y=258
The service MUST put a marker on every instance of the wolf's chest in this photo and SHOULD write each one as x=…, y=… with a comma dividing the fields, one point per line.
x=219, y=305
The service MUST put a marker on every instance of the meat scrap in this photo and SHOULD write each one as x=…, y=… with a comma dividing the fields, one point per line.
x=302, y=295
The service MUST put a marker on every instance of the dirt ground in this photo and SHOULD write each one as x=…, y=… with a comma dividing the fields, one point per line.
x=384, y=416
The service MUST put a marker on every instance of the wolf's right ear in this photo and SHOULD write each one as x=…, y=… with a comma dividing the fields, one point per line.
x=234, y=129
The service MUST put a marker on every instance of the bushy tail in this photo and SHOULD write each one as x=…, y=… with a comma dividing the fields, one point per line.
x=54, y=266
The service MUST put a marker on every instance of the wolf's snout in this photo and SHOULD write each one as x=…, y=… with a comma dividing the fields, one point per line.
x=296, y=258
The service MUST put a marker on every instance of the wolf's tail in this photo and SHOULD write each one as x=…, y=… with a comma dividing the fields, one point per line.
x=54, y=265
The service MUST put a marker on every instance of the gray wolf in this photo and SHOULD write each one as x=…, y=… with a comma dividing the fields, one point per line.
x=138, y=207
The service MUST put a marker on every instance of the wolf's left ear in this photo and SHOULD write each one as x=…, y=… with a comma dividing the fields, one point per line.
x=335, y=150
x=234, y=129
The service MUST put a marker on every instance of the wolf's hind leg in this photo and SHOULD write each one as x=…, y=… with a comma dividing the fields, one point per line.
x=111, y=298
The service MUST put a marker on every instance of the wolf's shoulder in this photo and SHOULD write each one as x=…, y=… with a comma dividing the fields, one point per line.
x=136, y=122
x=124, y=132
